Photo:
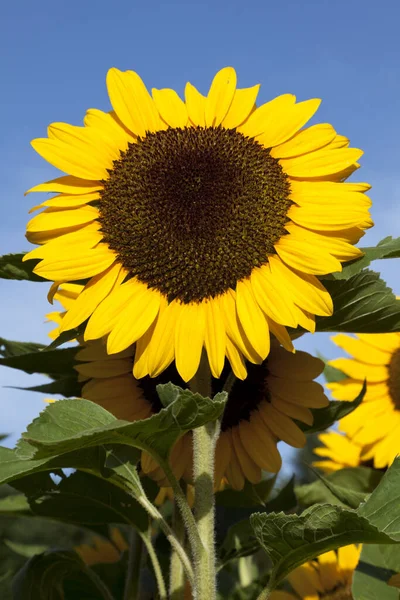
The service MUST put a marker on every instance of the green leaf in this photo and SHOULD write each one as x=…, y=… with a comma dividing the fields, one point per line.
x=377, y=564
x=251, y=494
x=330, y=373
x=291, y=540
x=10, y=348
x=67, y=336
x=42, y=577
x=360, y=480
x=47, y=362
x=85, y=500
x=26, y=550
x=68, y=425
x=69, y=387
x=12, y=267
x=14, y=503
x=386, y=248
x=382, y=508
x=336, y=409
x=362, y=304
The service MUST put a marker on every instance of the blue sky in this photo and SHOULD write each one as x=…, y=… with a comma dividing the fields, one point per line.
x=54, y=58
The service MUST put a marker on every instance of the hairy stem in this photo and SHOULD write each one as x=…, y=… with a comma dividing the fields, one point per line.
x=162, y=590
x=177, y=579
x=204, y=441
x=131, y=590
x=171, y=537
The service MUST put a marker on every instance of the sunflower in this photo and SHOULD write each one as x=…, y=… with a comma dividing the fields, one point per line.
x=339, y=452
x=375, y=424
x=197, y=223
x=101, y=550
x=329, y=577
x=259, y=413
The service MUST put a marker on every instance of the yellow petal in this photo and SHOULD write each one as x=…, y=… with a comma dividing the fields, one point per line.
x=305, y=581
x=326, y=241
x=325, y=217
x=171, y=107
x=305, y=393
x=70, y=200
x=260, y=443
x=281, y=334
x=95, y=291
x=289, y=123
x=68, y=184
x=106, y=314
x=282, y=426
x=328, y=193
x=358, y=370
x=189, y=339
x=52, y=218
x=105, y=149
x=300, y=413
x=234, y=328
x=195, y=104
x=215, y=337
x=304, y=141
x=362, y=351
x=105, y=368
x=220, y=96
x=305, y=257
x=242, y=104
x=140, y=367
x=234, y=473
x=77, y=266
x=222, y=457
x=300, y=366
x=135, y=319
x=162, y=349
x=77, y=160
x=109, y=128
x=85, y=237
x=250, y=469
x=305, y=290
x=276, y=305
x=236, y=359
x=328, y=570
x=267, y=115
x=252, y=319
x=320, y=163
x=132, y=102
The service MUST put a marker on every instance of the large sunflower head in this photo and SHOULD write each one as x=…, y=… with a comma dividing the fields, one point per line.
x=197, y=223
x=328, y=577
x=261, y=410
x=375, y=424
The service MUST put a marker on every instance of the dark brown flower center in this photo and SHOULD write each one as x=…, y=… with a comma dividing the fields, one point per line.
x=394, y=379
x=192, y=211
x=340, y=593
x=244, y=396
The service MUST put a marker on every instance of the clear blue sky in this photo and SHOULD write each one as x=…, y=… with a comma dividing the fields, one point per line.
x=54, y=58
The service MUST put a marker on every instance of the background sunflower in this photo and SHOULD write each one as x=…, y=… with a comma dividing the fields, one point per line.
x=375, y=424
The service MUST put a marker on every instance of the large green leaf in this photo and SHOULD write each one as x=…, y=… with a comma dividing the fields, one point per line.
x=69, y=425
x=47, y=362
x=12, y=267
x=386, y=248
x=291, y=540
x=10, y=348
x=85, y=500
x=376, y=566
x=43, y=576
x=358, y=482
x=362, y=304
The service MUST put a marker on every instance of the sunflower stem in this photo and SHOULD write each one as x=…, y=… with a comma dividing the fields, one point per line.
x=162, y=590
x=204, y=442
x=170, y=535
x=134, y=564
x=177, y=579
